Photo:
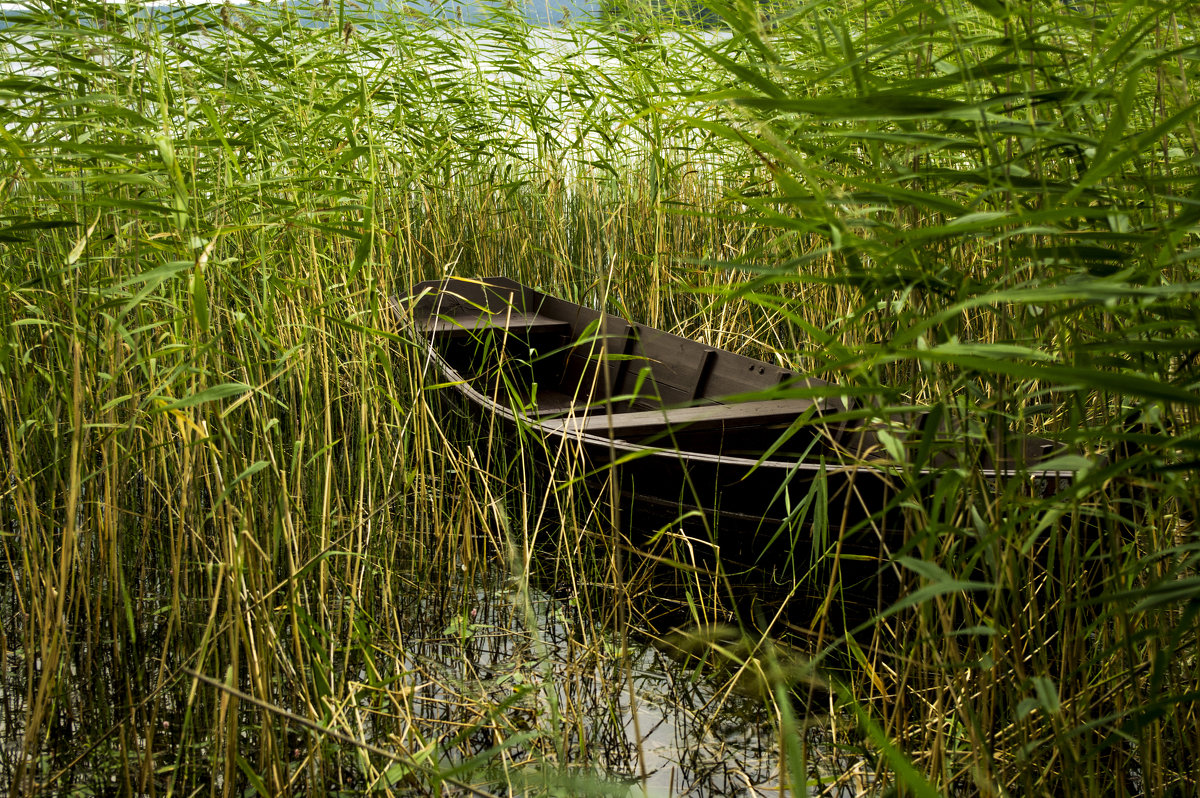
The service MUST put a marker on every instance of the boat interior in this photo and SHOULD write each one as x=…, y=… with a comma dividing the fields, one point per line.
x=576, y=371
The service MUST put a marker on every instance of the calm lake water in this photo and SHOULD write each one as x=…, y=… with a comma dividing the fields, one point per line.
x=539, y=12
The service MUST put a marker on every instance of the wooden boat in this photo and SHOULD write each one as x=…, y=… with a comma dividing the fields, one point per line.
x=739, y=451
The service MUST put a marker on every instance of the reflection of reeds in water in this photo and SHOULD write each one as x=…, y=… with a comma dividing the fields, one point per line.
x=222, y=457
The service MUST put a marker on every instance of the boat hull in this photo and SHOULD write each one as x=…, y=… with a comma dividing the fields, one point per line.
x=738, y=454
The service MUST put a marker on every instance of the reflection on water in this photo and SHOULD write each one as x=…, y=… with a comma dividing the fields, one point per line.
x=622, y=718
x=481, y=673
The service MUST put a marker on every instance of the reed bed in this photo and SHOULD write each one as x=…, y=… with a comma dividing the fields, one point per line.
x=249, y=552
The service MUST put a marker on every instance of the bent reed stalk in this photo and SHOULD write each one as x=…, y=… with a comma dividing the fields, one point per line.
x=224, y=459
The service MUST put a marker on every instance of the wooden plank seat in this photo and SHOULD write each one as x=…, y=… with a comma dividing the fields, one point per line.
x=640, y=423
x=463, y=326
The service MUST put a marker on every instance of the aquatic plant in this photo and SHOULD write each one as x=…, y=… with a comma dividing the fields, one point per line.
x=247, y=551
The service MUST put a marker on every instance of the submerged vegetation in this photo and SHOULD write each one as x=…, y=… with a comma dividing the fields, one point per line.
x=249, y=553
